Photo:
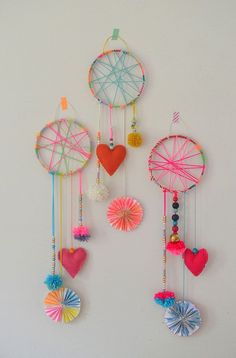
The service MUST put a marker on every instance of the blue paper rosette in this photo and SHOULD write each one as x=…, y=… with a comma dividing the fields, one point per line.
x=183, y=318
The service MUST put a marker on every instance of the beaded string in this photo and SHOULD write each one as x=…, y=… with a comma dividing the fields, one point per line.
x=53, y=226
x=134, y=117
x=164, y=260
x=80, y=198
x=111, y=142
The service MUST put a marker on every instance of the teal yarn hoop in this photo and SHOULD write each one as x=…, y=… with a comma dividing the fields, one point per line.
x=116, y=78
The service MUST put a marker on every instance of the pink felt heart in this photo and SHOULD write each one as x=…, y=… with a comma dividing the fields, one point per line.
x=195, y=260
x=73, y=260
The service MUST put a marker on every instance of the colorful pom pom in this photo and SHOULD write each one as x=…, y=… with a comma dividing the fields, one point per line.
x=165, y=298
x=53, y=282
x=98, y=192
x=176, y=248
x=81, y=233
x=135, y=139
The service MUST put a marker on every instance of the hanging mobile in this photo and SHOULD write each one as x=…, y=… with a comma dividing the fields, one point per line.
x=116, y=79
x=176, y=164
x=63, y=148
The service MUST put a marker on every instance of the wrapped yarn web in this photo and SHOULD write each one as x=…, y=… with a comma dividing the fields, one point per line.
x=116, y=78
x=176, y=163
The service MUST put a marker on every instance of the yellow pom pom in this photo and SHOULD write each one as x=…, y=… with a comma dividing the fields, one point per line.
x=135, y=139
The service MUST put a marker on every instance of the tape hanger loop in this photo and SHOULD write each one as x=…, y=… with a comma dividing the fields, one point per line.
x=114, y=37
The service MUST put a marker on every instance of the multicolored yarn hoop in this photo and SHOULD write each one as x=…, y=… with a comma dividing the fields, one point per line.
x=176, y=163
x=183, y=318
x=62, y=305
x=116, y=78
x=125, y=213
x=63, y=147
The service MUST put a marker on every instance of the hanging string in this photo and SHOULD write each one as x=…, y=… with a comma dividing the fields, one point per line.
x=164, y=277
x=111, y=143
x=71, y=211
x=195, y=217
x=124, y=141
x=53, y=227
x=184, y=239
x=61, y=221
x=80, y=198
x=98, y=142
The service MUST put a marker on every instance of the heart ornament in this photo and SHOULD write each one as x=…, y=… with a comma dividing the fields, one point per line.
x=195, y=260
x=111, y=159
x=72, y=260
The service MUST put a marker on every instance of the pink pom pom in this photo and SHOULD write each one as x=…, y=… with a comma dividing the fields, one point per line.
x=164, y=294
x=176, y=248
x=81, y=233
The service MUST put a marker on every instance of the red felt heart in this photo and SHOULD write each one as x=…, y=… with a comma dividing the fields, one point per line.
x=73, y=260
x=195, y=262
x=111, y=159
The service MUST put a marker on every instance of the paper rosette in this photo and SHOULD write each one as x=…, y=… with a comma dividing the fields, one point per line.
x=125, y=213
x=62, y=305
x=183, y=318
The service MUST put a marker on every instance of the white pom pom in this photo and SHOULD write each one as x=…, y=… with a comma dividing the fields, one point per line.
x=98, y=192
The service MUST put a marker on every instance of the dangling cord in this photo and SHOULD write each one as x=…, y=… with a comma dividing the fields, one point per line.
x=124, y=141
x=53, y=227
x=111, y=143
x=98, y=179
x=61, y=221
x=184, y=239
x=164, y=277
x=195, y=217
x=71, y=212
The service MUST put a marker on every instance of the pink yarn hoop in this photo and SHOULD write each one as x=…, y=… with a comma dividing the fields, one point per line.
x=176, y=163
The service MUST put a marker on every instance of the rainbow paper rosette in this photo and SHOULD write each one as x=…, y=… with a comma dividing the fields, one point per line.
x=62, y=305
x=183, y=318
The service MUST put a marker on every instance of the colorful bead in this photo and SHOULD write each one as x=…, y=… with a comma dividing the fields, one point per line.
x=175, y=229
x=175, y=217
x=174, y=237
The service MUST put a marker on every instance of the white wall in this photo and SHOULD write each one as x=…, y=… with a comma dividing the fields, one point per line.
x=188, y=50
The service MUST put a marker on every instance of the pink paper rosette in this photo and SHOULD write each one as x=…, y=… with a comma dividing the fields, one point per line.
x=125, y=213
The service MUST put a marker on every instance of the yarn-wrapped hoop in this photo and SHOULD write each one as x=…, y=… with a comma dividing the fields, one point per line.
x=183, y=318
x=116, y=78
x=125, y=213
x=176, y=163
x=62, y=305
x=63, y=147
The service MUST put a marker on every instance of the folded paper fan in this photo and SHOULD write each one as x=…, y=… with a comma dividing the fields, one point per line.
x=183, y=318
x=125, y=213
x=62, y=305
